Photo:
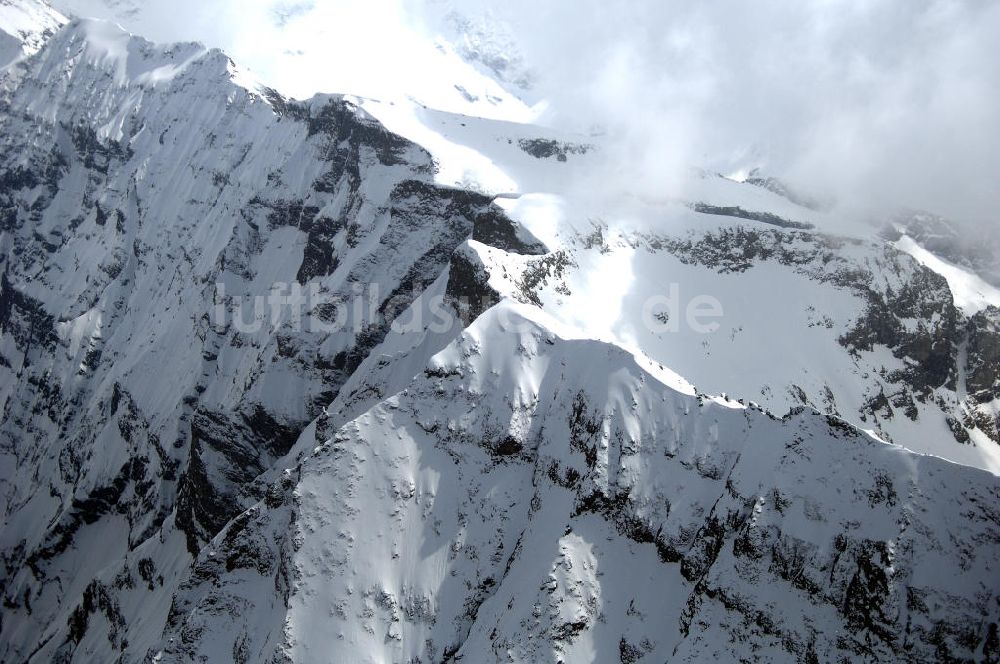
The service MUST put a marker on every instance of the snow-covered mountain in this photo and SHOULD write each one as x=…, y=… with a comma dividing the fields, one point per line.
x=356, y=380
x=536, y=498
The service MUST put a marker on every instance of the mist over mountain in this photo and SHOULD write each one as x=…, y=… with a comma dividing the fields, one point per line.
x=440, y=332
x=876, y=105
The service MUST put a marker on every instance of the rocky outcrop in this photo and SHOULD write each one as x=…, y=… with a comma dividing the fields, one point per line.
x=468, y=291
x=228, y=451
x=738, y=212
x=982, y=373
x=546, y=148
x=930, y=346
x=983, y=356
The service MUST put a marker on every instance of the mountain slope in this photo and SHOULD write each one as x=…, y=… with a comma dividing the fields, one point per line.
x=162, y=205
x=532, y=498
x=859, y=324
x=242, y=421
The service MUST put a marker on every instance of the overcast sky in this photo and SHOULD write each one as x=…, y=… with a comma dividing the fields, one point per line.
x=875, y=102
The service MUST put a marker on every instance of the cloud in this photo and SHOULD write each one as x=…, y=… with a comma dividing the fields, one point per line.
x=877, y=103
x=301, y=47
x=283, y=12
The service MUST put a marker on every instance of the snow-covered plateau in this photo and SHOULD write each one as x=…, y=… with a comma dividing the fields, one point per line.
x=357, y=380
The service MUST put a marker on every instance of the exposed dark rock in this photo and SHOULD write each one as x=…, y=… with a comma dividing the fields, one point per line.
x=342, y=123
x=740, y=249
x=285, y=107
x=468, y=290
x=227, y=452
x=983, y=355
x=740, y=213
x=866, y=601
x=88, y=510
x=927, y=298
x=538, y=272
x=544, y=148
x=495, y=228
x=25, y=318
x=97, y=155
x=318, y=258
x=96, y=598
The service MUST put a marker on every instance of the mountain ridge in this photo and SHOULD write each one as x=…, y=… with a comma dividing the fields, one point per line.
x=478, y=459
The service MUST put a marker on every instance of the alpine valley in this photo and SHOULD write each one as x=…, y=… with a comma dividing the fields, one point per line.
x=481, y=418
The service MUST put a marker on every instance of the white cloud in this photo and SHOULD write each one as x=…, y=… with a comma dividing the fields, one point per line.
x=876, y=102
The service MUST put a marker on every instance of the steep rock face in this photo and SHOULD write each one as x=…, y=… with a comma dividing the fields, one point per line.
x=982, y=373
x=192, y=266
x=531, y=498
x=983, y=359
x=739, y=213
